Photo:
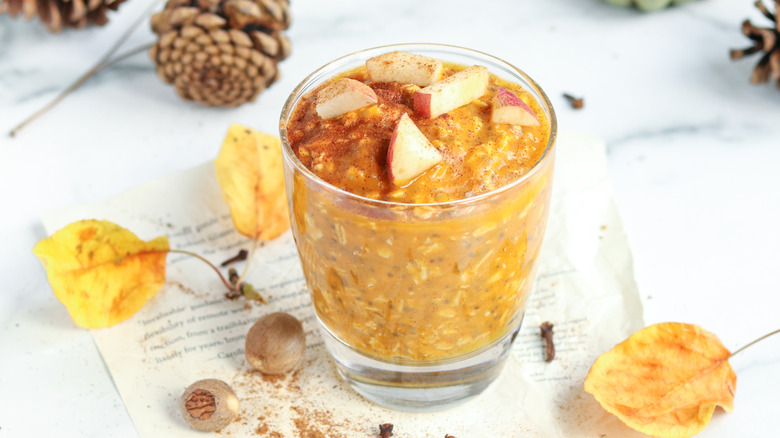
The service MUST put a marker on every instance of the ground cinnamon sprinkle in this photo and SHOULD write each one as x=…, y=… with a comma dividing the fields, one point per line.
x=293, y=384
x=278, y=407
x=312, y=423
x=186, y=289
x=311, y=402
x=275, y=380
x=264, y=430
x=305, y=430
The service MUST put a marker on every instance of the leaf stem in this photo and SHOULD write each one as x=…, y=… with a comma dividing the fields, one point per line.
x=757, y=340
x=248, y=261
x=104, y=62
x=197, y=256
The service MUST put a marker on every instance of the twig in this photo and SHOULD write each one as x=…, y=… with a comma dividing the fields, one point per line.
x=240, y=288
x=233, y=276
x=104, y=62
x=132, y=52
x=235, y=292
x=97, y=68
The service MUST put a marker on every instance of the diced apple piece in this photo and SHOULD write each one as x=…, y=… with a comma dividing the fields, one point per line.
x=410, y=153
x=406, y=68
x=508, y=108
x=451, y=92
x=342, y=97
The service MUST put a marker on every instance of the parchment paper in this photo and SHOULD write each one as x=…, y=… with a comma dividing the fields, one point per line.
x=189, y=331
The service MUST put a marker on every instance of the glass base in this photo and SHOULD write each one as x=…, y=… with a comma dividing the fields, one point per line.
x=419, y=388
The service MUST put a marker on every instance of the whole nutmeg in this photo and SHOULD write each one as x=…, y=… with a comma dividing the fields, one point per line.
x=275, y=343
x=209, y=405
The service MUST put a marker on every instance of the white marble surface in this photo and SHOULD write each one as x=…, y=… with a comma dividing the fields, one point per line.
x=693, y=153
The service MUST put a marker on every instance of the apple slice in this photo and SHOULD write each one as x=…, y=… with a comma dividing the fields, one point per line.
x=451, y=92
x=406, y=68
x=410, y=153
x=342, y=97
x=508, y=108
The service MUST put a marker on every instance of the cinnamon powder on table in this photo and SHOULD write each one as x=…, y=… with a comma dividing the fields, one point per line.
x=277, y=406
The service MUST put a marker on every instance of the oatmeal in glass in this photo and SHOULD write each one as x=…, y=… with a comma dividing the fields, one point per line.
x=419, y=191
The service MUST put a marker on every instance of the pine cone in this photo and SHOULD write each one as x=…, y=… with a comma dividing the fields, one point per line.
x=220, y=52
x=765, y=40
x=56, y=14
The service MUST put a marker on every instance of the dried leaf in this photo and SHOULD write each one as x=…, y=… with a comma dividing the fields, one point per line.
x=249, y=171
x=101, y=272
x=665, y=380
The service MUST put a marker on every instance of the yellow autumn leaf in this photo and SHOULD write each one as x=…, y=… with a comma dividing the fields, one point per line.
x=101, y=272
x=665, y=380
x=250, y=173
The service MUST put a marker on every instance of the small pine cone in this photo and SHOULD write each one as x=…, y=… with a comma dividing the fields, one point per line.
x=220, y=52
x=765, y=40
x=56, y=14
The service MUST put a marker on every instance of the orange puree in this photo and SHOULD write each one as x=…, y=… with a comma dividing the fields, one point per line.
x=410, y=282
x=350, y=151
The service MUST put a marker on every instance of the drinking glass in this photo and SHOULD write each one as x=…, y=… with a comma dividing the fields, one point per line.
x=418, y=304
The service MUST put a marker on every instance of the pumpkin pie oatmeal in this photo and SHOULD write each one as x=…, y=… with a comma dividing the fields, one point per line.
x=421, y=247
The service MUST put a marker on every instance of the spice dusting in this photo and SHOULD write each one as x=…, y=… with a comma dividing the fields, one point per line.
x=350, y=151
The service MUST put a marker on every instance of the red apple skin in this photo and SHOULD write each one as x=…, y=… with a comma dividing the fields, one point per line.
x=515, y=111
x=507, y=98
x=422, y=104
x=391, y=153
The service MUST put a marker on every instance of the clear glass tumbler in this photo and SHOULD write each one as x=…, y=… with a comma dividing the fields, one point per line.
x=418, y=304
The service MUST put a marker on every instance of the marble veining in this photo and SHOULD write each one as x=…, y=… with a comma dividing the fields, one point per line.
x=726, y=25
x=716, y=129
x=5, y=34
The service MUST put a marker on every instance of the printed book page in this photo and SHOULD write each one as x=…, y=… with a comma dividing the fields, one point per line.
x=190, y=331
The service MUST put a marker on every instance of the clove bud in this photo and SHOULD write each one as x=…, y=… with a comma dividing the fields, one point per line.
x=240, y=257
x=576, y=102
x=385, y=430
x=547, y=335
